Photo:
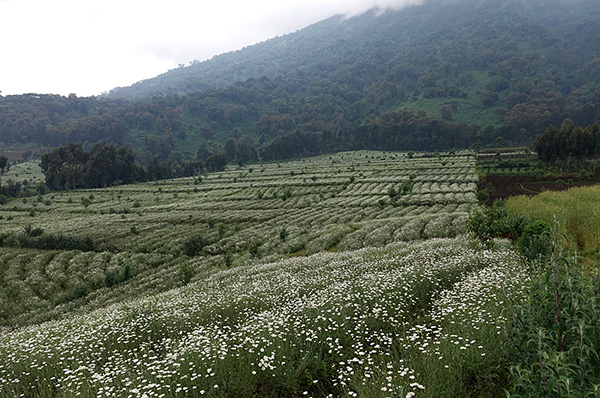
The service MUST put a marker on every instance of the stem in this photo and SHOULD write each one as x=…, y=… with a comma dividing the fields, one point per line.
x=555, y=261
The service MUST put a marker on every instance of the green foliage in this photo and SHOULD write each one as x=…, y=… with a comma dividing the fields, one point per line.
x=571, y=145
x=228, y=259
x=576, y=211
x=186, y=272
x=554, y=333
x=32, y=232
x=283, y=234
x=78, y=291
x=70, y=167
x=36, y=239
x=86, y=202
x=535, y=243
x=116, y=276
x=392, y=193
x=407, y=186
x=487, y=223
x=194, y=244
x=254, y=248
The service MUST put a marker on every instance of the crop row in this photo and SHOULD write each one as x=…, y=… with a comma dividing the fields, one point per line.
x=313, y=326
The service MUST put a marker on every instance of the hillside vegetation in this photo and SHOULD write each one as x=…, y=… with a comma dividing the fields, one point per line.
x=459, y=71
x=154, y=236
x=340, y=275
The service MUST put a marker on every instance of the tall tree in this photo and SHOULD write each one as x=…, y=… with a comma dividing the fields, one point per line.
x=3, y=163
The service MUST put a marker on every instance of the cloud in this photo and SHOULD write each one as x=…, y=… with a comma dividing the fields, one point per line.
x=64, y=46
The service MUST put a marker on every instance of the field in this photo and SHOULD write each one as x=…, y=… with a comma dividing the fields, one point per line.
x=508, y=172
x=341, y=275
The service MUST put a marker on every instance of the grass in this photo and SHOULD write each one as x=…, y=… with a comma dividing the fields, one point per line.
x=576, y=211
x=469, y=110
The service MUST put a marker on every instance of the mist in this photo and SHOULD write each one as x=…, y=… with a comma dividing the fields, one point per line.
x=70, y=46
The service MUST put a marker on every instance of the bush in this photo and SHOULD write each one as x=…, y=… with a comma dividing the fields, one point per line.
x=78, y=291
x=117, y=276
x=283, y=234
x=536, y=241
x=194, y=245
x=36, y=239
x=492, y=222
x=555, y=334
x=186, y=273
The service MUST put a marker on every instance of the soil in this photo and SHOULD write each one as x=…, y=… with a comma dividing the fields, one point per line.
x=504, y=186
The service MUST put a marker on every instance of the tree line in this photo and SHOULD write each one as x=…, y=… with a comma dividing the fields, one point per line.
x=570, y=146
x=71, y=167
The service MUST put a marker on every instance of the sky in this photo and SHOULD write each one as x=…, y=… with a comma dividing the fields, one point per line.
x=86, y=47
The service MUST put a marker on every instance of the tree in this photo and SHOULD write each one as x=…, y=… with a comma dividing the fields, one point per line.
x=216, y=162
x=246, y=151
x=3, y=163
x=231, y=149
x=446, y=112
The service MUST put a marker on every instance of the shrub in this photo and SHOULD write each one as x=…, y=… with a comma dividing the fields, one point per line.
x=283, y=234
x=254, y=248
x=32, y=232
x=36, y=239
x=555, y=334
x=536, y=241
x=193, y=245
x=78, y=291
x=492, y=222
x=186, y=273
x=117, y=276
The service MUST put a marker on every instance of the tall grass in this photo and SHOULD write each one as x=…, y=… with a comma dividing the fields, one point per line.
x=577, y=211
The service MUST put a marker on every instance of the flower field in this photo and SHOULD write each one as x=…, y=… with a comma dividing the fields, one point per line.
x=365, y=322
x=341, y=275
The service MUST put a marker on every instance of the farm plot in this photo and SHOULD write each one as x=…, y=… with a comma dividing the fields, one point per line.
x=378, y=322
x=258, y=213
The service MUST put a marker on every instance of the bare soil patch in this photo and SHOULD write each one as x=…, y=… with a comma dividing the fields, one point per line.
x=504, y=186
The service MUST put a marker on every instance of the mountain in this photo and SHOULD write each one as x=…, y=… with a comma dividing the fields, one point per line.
x=433, y=77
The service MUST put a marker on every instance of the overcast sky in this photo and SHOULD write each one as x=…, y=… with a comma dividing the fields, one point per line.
x=90, y=46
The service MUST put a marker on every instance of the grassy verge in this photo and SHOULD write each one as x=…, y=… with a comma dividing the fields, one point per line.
x=576, y=211
x=552, y=330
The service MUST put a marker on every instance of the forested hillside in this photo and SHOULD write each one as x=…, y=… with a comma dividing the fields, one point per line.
x=440, y=76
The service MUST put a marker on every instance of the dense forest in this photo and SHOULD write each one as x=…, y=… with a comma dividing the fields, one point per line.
x=440, y=76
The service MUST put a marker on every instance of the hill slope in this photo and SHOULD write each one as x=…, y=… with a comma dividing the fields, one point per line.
x=330, y=276
x=505, y=69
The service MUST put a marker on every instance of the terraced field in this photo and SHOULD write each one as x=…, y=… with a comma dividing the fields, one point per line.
x=342, y=275
x=270, y=211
